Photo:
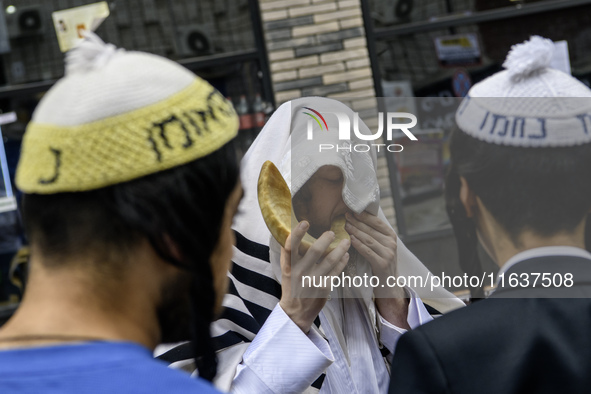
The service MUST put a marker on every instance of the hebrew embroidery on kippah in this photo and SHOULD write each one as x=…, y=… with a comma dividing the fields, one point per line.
x=56, y=174
x=118, y=116
x=529, y=104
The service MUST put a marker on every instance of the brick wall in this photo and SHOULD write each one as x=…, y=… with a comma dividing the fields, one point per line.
x=319, y=48
x=316, y=48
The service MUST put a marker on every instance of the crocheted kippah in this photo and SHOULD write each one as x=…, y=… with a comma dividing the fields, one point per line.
x=528, y=104
x=117, y=116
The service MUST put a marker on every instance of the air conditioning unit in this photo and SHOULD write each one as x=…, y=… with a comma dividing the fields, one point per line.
x=194, y=40
x=390, y=12
x=25, y=21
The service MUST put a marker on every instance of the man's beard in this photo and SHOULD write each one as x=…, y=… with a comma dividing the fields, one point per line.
x=175, y=311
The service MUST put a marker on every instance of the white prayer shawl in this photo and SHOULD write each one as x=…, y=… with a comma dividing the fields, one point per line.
x=256, y=274
x=360, y=191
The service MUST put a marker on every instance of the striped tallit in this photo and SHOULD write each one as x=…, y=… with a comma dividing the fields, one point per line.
x=254, y=288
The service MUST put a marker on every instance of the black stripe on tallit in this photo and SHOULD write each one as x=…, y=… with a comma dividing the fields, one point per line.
x=432, y=311
x=228, y=339
x=185, y=351
x=260, y=313
x=242, y=319
x=317, y=322
x=252, y=248
x=318, y=382
x=256, y=280
x=181, y=352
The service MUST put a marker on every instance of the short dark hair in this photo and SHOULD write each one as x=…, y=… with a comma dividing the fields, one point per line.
x=185, y=203
x=544, y=190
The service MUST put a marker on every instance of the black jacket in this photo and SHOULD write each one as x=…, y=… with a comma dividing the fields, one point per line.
x=521, y=340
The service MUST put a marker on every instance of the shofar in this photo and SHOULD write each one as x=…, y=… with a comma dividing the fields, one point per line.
x=275, y=202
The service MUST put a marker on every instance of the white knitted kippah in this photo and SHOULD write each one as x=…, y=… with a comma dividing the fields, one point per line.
x=102, y=81
x=528, y=104
x=118, y=116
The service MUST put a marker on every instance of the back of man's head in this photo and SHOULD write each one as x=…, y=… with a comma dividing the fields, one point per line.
x=131, y=149
x=523, y=144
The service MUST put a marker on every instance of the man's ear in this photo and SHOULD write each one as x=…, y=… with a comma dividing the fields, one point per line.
x=468, y=198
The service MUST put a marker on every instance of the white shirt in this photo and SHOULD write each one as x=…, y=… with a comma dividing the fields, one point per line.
x=282, y=359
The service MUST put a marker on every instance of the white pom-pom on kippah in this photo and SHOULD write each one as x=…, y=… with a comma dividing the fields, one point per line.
x=91, y=53
x=529, y=104
x=529, y=58
x=103, y=81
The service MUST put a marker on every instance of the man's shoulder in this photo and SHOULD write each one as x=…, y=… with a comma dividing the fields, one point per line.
x=524, y=302
x=154, y=376
x=497, y=345
x=507, y=330
x=502, y=318
x=107, y=367
x=482, y=316
x=157, y=378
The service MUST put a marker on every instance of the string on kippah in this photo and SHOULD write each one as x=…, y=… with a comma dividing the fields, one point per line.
x=91, y=53
x=529, y=58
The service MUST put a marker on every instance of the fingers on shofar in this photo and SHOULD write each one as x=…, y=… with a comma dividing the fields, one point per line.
x=371, y=236
x=338, y=258
x=297, y=234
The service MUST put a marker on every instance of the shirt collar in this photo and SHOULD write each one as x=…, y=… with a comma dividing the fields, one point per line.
x=544, y=251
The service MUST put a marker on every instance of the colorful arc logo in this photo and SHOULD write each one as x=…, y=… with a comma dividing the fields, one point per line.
x=315, y=118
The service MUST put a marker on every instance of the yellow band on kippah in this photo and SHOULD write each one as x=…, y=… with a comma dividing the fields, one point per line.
x=186, y=126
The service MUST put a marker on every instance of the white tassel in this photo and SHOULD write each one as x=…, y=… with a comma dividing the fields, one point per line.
x=529, y=58
x=91, y=53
